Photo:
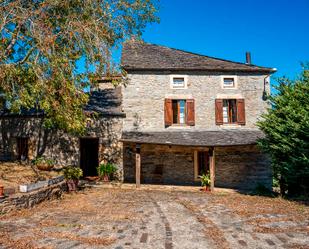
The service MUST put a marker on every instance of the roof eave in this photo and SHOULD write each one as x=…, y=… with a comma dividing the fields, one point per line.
x=191, y=145
x=261, y=70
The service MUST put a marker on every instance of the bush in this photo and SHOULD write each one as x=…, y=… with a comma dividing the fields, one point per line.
x=260, y=189
x=205, y=180
x=72, y=173
x=107, y=169
x=42, y=160
x=286, y=128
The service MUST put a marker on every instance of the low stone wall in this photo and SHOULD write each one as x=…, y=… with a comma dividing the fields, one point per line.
x=27, y=200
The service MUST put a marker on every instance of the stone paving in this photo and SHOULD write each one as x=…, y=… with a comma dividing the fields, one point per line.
x=126, y=218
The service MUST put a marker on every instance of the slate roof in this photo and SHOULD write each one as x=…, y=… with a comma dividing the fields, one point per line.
x=106, y=102
x=138, y=55
x=195, y=138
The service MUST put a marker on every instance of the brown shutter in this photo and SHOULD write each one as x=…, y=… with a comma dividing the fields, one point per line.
x=241, y=115
x=219, y=111
x=168, y=112
x=190, y=112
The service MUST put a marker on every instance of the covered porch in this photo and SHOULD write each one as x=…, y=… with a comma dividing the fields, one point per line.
x=178, y=158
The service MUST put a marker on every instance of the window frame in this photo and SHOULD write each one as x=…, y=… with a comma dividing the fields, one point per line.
x=228, y=111
x=172, y=77
x=229, y=77
x=178, y=112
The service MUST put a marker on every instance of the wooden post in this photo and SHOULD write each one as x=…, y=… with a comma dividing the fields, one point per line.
x=212, y=168
x=138, y=166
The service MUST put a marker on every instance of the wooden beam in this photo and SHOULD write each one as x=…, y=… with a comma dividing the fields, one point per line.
x=212, y=168
x=138, y=166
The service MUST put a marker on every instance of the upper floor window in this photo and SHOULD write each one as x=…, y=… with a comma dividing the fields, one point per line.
x=178, y=81
x=229, y=81
x=179, y=111
x=230, y=111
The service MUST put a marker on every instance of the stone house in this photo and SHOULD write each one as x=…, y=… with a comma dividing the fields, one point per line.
x=23, y=136
x=179, y=115
x=187, y=114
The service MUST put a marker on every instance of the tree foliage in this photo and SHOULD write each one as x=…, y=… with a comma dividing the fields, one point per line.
x=286, y=126
x=43, y=41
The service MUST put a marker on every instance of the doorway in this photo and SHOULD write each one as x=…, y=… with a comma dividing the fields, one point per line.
x=89, y=156
x=22, y=148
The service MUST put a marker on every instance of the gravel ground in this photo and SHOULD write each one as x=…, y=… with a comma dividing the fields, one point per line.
x=126, y=218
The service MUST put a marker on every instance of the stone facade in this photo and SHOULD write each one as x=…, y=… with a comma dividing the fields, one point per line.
x=143, y=98
x=160, y=164
x=242, y=167
x=59, y=146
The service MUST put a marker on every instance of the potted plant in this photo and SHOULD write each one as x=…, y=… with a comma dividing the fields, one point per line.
x=106, y=171
x=72, y=175
x=206, y=181
x=43, y=164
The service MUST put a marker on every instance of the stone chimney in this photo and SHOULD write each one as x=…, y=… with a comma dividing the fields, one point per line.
x=248, y=58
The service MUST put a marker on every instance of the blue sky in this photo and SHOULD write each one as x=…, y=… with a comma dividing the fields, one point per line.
x=276, y=32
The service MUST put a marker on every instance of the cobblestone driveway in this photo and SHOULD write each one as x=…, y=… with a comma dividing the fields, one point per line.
x=117, y=218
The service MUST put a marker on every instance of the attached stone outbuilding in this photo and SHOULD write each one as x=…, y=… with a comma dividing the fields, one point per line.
x=23, y=136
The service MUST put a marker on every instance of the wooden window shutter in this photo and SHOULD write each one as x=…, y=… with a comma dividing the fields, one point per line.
x=190, y=112
x=241, y=115
x=168, y=112
x=219, y=111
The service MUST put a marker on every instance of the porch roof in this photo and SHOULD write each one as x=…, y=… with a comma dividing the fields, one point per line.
x=195, y=138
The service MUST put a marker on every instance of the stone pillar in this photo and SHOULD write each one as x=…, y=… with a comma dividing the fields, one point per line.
x=138, y=166
x=212, y=168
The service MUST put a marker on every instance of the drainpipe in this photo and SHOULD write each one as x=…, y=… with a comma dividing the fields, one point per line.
x=264, y=96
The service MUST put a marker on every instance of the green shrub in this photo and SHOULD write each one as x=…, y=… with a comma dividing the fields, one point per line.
x=72, y=173
x=205, y=179
x=107, y=169
x=260, y=189
x=42, y=160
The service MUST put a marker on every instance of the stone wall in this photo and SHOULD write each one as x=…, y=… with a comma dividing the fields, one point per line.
x=160, y=164
x=27, y=200
x=240, y=167
x=63, y=148
x=143, y=98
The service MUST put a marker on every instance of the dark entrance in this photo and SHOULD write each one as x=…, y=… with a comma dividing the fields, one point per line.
x=22, y=148
x=89, y=156
x=203, y=162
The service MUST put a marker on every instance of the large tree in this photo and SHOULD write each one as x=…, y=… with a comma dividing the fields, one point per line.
x=286, y=126
x=44, y=42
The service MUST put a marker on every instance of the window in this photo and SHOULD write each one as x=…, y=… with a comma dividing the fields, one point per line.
x=178, y=82
x=201, y=163
x=229, y=82
x=229, y=111
x=179, y=111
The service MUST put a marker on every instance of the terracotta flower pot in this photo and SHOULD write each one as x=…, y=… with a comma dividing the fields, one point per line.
x=72, y=185
x=207, y=188
x=105, y=178
x=44, y=167
x=1, y=192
